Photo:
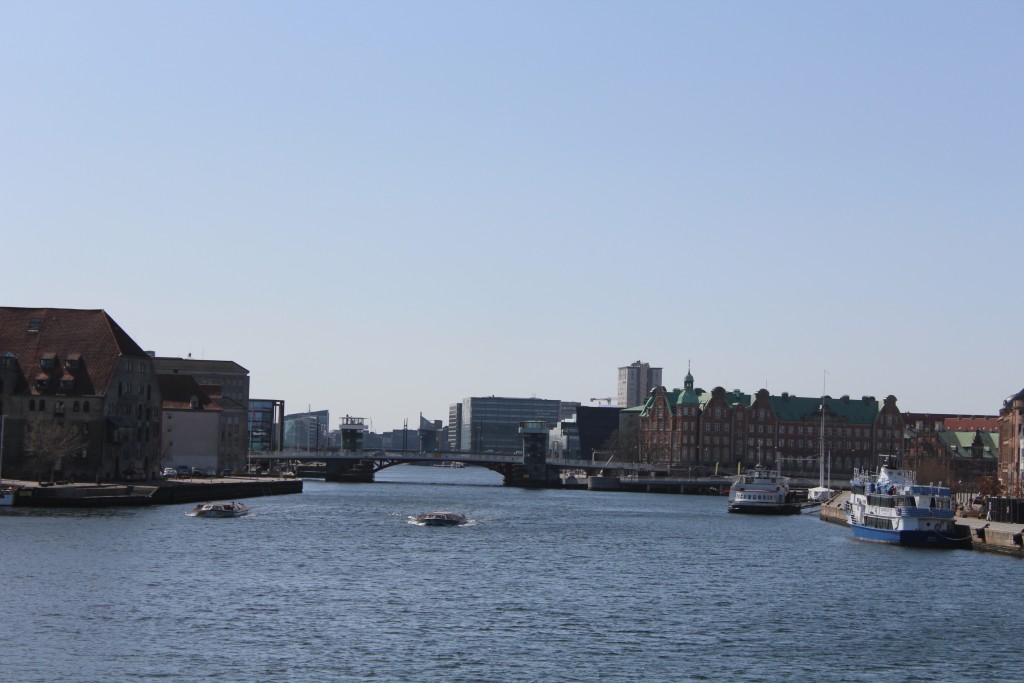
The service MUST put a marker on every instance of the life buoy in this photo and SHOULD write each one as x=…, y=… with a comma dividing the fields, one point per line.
x=899, y=512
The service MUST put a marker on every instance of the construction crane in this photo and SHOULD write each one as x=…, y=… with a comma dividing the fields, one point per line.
x=607, y=400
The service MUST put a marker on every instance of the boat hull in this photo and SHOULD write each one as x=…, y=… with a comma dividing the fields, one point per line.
x=917, y=538
x=440, y=522
x=440, y=519
x=784, y=509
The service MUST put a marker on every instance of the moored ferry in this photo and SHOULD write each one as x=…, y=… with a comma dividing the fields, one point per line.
x=762, y=491
x=889, y=506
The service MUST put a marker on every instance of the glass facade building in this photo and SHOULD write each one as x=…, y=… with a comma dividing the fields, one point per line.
x=492, y=423
x=266, y=425
x=307, y=431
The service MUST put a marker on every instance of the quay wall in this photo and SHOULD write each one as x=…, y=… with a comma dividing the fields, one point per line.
x=160, y=493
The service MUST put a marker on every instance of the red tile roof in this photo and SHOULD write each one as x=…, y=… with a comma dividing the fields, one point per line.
x=177, y=392
x=92, y=335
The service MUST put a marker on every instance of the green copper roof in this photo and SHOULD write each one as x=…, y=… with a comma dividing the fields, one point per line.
x=801, y=408
x=964, y=441
x=688, y=397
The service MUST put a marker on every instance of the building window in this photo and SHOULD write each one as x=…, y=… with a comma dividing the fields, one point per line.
x=31, y=404
x=85, y=406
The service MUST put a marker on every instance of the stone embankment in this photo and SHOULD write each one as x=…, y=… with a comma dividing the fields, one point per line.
x=992, y=537
x=151, y=492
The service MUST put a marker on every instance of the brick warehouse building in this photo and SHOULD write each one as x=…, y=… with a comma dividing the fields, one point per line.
x=693, y=430
x=78, y=395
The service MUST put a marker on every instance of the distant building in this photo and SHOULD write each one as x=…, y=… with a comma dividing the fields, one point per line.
x=1011, y=444
x=564, y=439
x=432, y=437
x=307, y=431
x=635, y=382
x=598, y=429
x=404, y=439
x=454, y=426
x=701, y=432
x=491, y=423
x=79, y=397
x=226, y=383
x=190, y=425
x=266, y=425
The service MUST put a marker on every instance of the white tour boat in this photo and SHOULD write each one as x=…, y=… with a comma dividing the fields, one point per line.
x=889, y=506
x=439, y=518
x=219, y=510
x=762, y=491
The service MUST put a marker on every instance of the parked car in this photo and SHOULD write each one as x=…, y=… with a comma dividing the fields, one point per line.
x=198, y=472
x=170, y=473
x=183, y=471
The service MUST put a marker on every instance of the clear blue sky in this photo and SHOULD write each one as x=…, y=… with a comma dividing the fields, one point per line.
x=380, y=208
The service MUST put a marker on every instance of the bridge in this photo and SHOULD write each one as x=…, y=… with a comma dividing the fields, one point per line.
x=534, y=470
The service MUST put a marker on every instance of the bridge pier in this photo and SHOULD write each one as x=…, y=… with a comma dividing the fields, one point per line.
x=349, y=471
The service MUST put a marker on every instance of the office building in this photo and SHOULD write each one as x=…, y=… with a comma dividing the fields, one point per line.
x=635, y=383
x=491, y=423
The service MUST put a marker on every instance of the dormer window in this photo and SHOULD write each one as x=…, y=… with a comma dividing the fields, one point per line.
x=73, y=361
x=48, y=360
x=34, y=324
x=8, y=361
x=42, y=381
x=67, y=383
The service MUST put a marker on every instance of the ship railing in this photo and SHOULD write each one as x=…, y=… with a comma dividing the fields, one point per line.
x=924, y=512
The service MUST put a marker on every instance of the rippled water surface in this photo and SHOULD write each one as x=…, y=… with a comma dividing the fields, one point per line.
x=335, y=585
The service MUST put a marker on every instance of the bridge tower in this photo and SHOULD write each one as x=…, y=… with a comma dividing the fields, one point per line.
x=352, y=431
x=534, y=472
x=352, y=470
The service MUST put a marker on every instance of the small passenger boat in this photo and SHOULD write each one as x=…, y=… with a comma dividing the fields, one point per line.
x=440, y=518
x=231, y=509
x=889, y=506
x=762, y=491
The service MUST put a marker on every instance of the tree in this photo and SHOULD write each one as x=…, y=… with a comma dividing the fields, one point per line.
x=989, y=486
x=46, y=442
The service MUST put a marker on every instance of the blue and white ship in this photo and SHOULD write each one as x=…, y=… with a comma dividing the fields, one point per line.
x=889, y=506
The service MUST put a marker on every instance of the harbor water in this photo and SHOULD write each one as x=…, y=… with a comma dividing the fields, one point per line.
x=335, y=584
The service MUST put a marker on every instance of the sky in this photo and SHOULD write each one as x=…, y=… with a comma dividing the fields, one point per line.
x=381, y=208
